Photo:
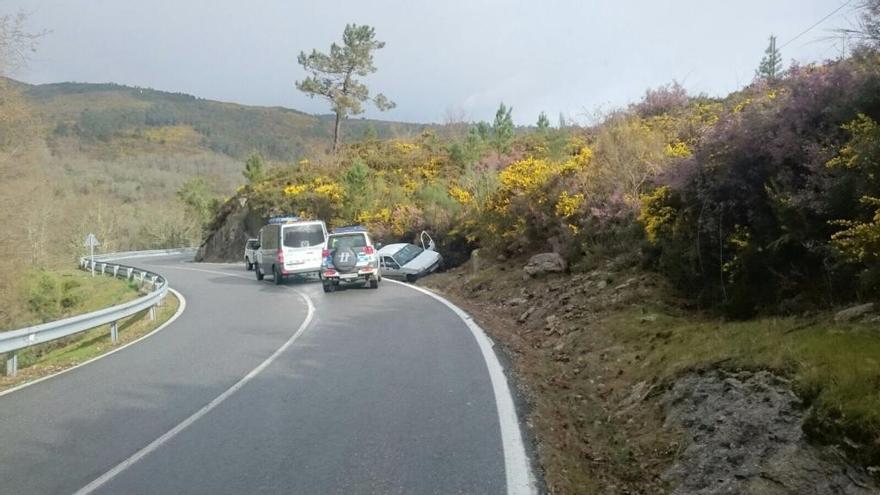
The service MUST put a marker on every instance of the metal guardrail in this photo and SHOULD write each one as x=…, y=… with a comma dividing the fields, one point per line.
x=15, y=340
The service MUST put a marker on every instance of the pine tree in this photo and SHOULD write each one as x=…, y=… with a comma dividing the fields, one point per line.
x=770, y=68
x=543, y=122
x=333, y=75
x=502, y=129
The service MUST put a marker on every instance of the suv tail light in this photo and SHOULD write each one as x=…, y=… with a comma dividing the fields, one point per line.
x=369, y=250
x=280, y=256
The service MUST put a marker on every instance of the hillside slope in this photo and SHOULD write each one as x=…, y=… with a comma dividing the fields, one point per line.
x=100, y=114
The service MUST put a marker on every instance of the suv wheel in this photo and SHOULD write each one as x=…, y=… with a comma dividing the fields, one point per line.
x=329, y=287
x=374, y=283
x=411, y=278
x=258, y=272
x=276, y=276
x=248, y=266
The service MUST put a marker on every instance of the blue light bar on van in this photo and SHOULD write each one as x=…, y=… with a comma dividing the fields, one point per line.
x=349, y=229
x=279, y=220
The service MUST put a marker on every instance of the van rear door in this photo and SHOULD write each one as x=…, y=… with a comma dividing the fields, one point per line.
x=302, y=244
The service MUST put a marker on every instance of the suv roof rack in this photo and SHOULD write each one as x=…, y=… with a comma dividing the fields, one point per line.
x=349, y=229
x=284, y=219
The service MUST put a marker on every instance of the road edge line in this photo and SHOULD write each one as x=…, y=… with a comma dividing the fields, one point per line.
x=517, y=468
x=180, y=308
x=183, y=425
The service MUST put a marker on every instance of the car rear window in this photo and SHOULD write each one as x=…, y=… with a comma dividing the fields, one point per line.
x=407, y=253
x=299, y=236
x=348, y=240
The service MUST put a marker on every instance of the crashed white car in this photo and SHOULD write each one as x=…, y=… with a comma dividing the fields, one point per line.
x=407, y=261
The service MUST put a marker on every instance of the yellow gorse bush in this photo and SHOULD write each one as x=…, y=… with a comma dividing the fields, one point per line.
x=295, y=189
x=656, y=213
x=568, y=204
x=322, y=186
x=678, y=149
x=462, y=196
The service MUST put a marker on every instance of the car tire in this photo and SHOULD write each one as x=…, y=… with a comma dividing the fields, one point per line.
x=258, y=272
x=329, y=287
x=248, y=266
x=374, y=283
x=277, y=278
x=411, y=279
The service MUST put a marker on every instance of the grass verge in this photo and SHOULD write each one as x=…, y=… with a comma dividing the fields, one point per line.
x=46, y=359
x=47, y=295
x=594, y=352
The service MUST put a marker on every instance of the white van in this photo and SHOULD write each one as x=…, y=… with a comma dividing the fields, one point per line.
x=290, y=246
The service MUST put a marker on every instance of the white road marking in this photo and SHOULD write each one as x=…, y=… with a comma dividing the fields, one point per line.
x=180, y=308
x=518, y=470
x=122, y=466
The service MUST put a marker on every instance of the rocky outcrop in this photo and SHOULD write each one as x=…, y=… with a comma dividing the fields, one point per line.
x=542, y=263
x=232, y=228
x=854, y=313
x=745, y=434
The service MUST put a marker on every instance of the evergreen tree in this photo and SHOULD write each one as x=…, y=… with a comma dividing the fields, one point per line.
x=333, y=75
x=543, y=122
x=254, y=168
x=502, y=129
x=770, y=68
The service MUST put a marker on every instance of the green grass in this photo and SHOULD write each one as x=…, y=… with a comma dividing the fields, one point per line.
x=832, y=366
x=48, y=295
x=52, y=357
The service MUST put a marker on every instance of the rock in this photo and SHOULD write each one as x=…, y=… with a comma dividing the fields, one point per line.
x=648, y=319
x=747, y=437
x=516, y=301
x=601, y=284
x=853, y=313
x=542, y=263
x=525, y=316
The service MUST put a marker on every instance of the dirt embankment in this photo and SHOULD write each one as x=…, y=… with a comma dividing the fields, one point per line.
x=607, y=414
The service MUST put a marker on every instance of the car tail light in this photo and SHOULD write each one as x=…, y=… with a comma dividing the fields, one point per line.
x=280, y=256
x=329, y=273
x=325, y=253
x=368, y=250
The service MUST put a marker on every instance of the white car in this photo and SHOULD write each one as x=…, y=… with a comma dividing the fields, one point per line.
x=350, y=257
x=250, y=253
x=407, y=261
x=290, y=246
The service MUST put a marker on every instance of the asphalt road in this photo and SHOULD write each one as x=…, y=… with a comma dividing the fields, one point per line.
x=380, y=391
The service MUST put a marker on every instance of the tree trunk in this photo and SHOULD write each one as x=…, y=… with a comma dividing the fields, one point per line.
x=336, y=132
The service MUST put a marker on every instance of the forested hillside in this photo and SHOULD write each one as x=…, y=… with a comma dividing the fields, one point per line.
x=109, y=118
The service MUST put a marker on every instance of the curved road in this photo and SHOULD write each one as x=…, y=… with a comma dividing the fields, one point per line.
x=264, y=389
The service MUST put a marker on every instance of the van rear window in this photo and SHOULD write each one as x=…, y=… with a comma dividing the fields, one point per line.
x=298, y=236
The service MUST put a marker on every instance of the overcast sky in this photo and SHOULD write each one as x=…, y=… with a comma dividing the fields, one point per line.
x=574, y=57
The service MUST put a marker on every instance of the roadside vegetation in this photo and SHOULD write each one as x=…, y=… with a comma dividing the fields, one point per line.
x=53, y=357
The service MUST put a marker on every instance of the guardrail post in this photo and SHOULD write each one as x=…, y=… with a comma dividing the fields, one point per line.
x=114, y=332
x=130, y=272
x=115, y=270
x=152, y=313
x=103, y=266
x=11, y=363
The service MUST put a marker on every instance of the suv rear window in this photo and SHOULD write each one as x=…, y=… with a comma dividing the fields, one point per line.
x=348, y=240
x=299, y=236
x=251, y=244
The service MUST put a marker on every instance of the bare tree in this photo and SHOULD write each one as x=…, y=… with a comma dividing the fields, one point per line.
x=16, y=43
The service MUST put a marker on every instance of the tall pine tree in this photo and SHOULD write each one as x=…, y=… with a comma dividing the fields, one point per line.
x=770, y=68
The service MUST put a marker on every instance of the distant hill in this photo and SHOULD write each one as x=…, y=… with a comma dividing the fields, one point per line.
x=99, y=114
